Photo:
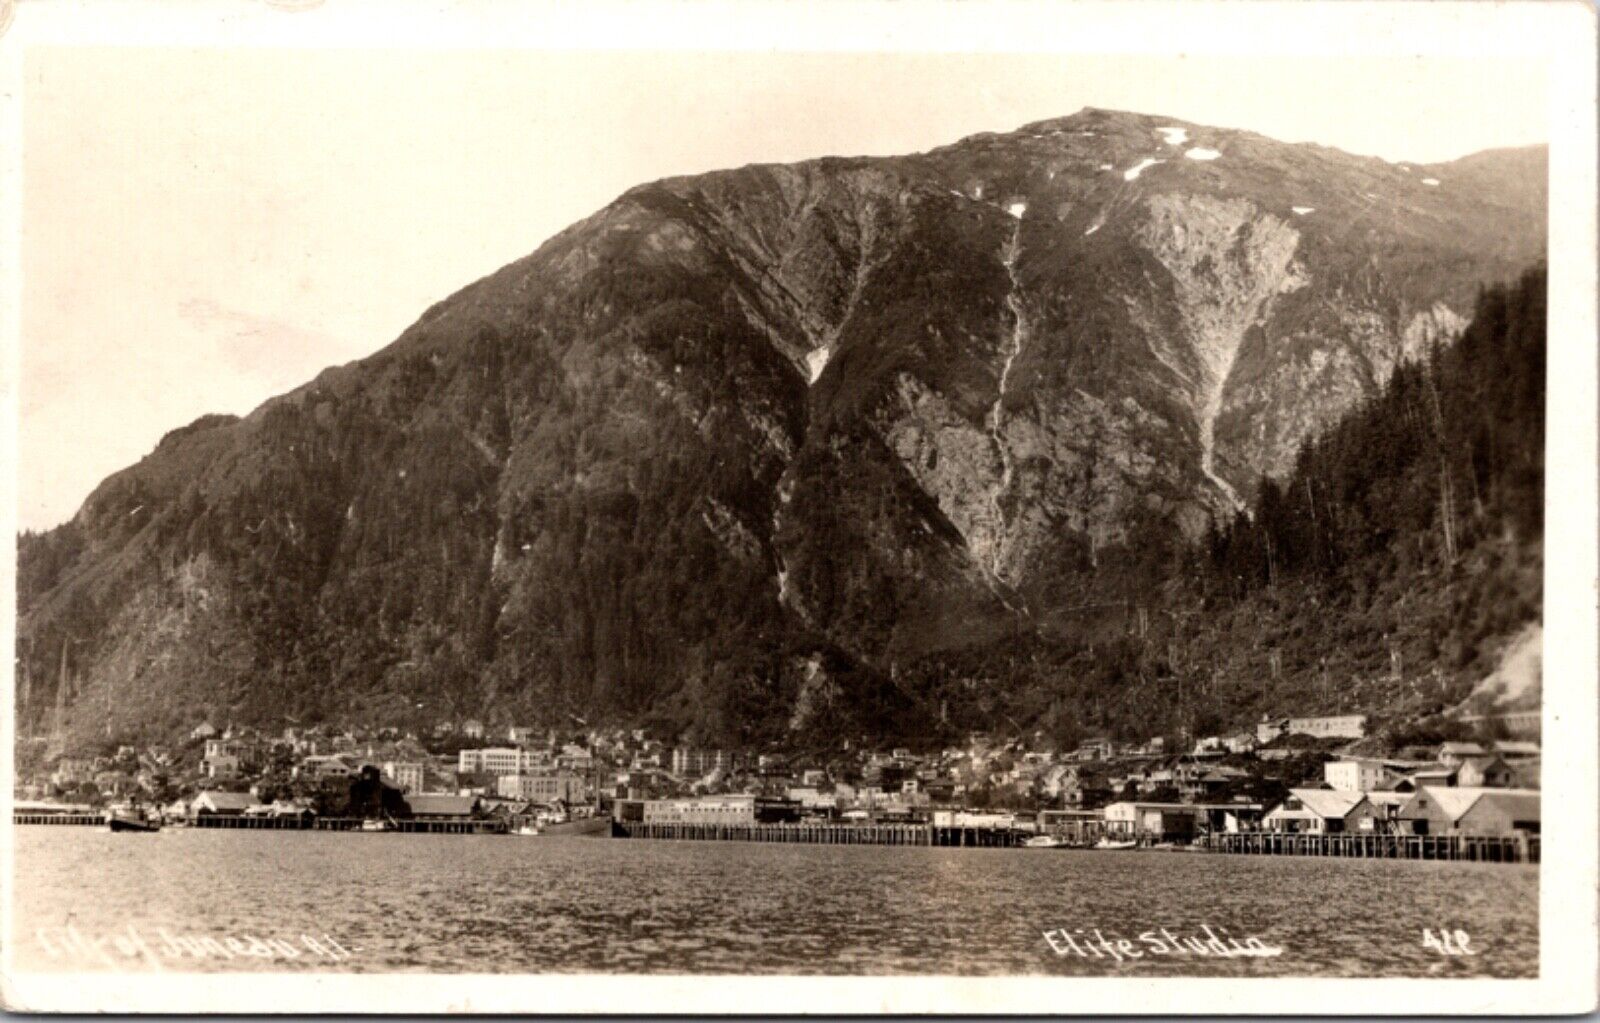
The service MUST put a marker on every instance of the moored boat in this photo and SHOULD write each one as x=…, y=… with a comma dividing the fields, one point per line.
x=577, y=826
x=1116, y=845
x=131, y=820
x=1045, y=842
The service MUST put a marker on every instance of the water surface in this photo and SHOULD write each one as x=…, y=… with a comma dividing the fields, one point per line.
x=88, y=899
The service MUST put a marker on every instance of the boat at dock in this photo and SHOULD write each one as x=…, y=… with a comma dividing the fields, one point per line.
x=377, y=824
x=132, y=819
x=1115, y=845
x=1045, y=842
x=572, y=827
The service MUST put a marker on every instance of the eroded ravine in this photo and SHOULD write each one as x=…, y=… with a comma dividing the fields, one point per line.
x=996, y=418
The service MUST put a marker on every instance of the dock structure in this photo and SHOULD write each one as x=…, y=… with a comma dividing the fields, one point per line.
x=822, y=834
x=491, y=826
x=1516, y=848
x=59, y=819
x=811, y=834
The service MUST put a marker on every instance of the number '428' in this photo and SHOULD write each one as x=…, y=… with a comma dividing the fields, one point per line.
x=1447, y=942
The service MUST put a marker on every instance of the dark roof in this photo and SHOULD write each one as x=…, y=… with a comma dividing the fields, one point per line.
x=442, y=806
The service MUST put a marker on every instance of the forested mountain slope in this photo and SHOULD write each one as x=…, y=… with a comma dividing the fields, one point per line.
x=772, y=452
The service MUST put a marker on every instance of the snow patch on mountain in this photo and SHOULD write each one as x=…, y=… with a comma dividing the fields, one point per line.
x=1132, y=173
x=1301, y=211
x=1174, y=136
x=816, y=360
x=1202, y=153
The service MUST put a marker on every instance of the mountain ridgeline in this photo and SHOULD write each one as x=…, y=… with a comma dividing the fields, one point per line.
x=1048, y=429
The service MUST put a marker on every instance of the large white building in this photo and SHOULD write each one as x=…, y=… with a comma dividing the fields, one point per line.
x=1357, y=774
x=1344, y=726
x=542, y=788
x=697, y=763
x=740, y=809
x=407, y=777
x=499, y=760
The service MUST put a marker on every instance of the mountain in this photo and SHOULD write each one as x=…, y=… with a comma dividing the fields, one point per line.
x=728, y=454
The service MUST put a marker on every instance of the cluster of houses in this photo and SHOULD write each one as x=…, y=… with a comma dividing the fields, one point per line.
x=1464, y=788
x=1155, y=788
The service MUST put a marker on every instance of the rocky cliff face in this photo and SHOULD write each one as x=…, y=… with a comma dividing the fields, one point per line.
x=873, y=407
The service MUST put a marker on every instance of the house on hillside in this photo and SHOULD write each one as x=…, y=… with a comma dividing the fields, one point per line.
x=1098, y=748
x=1526, y=774
x=1488, y=772
x=319, y=768
x=1513, y=750
x=1427, y=777
x=1451, y=754
x=1322, y=812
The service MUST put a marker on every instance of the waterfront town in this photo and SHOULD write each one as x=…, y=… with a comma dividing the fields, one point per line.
x=1311, y=777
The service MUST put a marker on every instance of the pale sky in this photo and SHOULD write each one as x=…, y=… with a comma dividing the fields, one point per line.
x=205, y=229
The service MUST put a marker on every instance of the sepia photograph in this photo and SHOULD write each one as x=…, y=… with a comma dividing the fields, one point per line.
x=907, y=507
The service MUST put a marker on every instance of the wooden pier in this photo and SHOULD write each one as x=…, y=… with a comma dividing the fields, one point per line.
x=1520, y=848
x=397, y=826
x=822, y=834
x=60, y=819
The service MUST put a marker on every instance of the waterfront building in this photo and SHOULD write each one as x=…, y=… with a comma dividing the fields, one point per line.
x=542, y=788
x=224, y=804
x=1153, y=821
x=1076, y=825
x=973, y=819
x=1387, y=803
x=1471, y=811
x=443, y=808
x=1323, y=811
x=741, y=809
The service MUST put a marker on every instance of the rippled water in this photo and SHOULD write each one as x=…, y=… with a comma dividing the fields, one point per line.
x=88, y=899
